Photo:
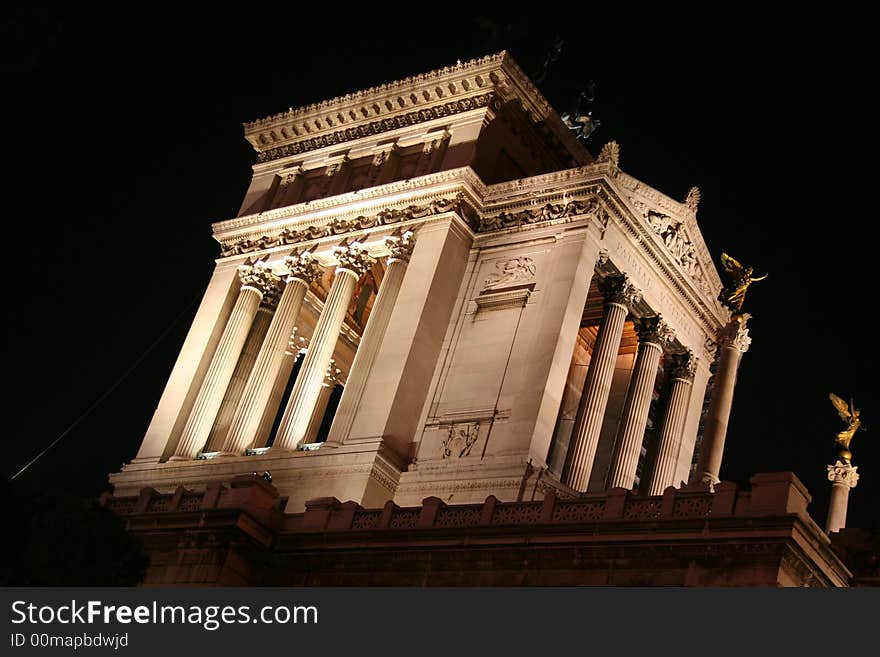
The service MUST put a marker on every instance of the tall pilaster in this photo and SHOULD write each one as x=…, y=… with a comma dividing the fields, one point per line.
x=619, y=295
x=333, y=377
x=653, y=334
x=255, y=280
x=842, y=476
x=733, y=342
x=243, y=368
x=401, y=249
x=302, y=269
x=682, y=371
x=353, y=262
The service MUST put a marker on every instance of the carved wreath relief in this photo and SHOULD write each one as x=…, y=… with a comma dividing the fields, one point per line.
x=460, y=439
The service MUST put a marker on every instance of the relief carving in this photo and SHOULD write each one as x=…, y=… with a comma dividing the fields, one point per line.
x=460, y=439
x=509, y=273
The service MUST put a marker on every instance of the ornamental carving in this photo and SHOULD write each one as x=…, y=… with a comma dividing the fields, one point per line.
x=374, y=127
x=333, y=376
x=509, y=273
x=843, y=473
x=548, y=212
x=654, y=330
x=610, y=153
x=257, y=276
x=460, y=439
x=271, y=295
x=735, y=334
x=618, y=289
x=401, y=246
x=340, y=225
x=353, y=257
x=302, y=266
x=692, y=200
x=683, y=366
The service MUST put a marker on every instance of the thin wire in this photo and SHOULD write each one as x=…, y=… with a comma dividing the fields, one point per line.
x=110, y=390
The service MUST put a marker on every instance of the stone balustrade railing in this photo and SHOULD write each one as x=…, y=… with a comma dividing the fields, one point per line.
x=777, y=493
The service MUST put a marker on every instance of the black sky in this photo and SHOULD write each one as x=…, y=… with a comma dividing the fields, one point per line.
x=124, y=142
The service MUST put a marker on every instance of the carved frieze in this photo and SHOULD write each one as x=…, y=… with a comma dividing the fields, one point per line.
x=373, y=127
x=341, y=225
x=548, y=212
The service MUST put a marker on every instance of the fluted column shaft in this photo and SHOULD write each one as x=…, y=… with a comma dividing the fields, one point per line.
x=249, y=414
x=298, y=413
x=673, y=425
x=210, y=395
x=374, y=332
x=240, y=376
x=597, y=386
x=734, y=341
x=842, y=476
x=634, y=417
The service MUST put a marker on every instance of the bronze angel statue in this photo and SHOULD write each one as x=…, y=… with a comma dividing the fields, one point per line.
x=849, y=414
x=734, y=293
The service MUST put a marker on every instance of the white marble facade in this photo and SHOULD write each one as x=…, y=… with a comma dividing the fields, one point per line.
x=477, y=370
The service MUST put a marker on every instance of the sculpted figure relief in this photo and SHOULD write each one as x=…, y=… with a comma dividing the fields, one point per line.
x=510, y=272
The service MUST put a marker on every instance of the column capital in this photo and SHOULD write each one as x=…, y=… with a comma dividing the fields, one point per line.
x=302, y=266
x=271, y=294
x=683, y=366
x=653, y=330
x=735, y=334
x=353, y=257
x=257, y=276
x=619, y=289
x=843, y=473
x=401, y=246
x=334, y=375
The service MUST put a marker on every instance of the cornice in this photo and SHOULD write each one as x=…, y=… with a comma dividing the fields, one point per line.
x=410, y=101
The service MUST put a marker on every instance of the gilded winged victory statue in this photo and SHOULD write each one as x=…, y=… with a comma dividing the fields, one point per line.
x=733, y=294
x=849, y=414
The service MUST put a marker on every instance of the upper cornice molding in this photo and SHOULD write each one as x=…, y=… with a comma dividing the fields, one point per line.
x=412, y=100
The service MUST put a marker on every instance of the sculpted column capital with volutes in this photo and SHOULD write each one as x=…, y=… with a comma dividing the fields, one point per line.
x=258, y=277
x=400, y=246
x=353, y=257
x=843, y=474
x=654, y=330
x=619, y=290
x=683, y=365
x=735, y=334
x=302, y=266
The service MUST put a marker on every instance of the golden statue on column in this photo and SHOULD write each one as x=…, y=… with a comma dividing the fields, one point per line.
x=849, y=414
x=733, y=294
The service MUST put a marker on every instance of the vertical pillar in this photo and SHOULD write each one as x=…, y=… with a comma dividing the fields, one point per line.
x=401, y=249
x=684, y=366
x=255, y=279
x=619, y=295
x=331, y=378
x=733, y=342
x=243, y=369
x=302, y=269
x=653, y=334
x=842, y=476
x=353, y=262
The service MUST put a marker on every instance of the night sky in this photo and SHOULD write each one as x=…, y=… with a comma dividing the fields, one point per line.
x=124, y=142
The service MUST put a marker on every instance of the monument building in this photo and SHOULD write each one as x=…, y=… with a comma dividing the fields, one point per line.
x=438, y=319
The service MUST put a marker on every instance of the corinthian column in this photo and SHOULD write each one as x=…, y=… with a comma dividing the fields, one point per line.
x=842, y=476
x=353, y=262
x=331, y=378
x=619, y=295
x=255, y=280
x=401, y=249
x=243, y=368
x=653, y=334
x=684, y=366
x=733, y=342
x=302, y=270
